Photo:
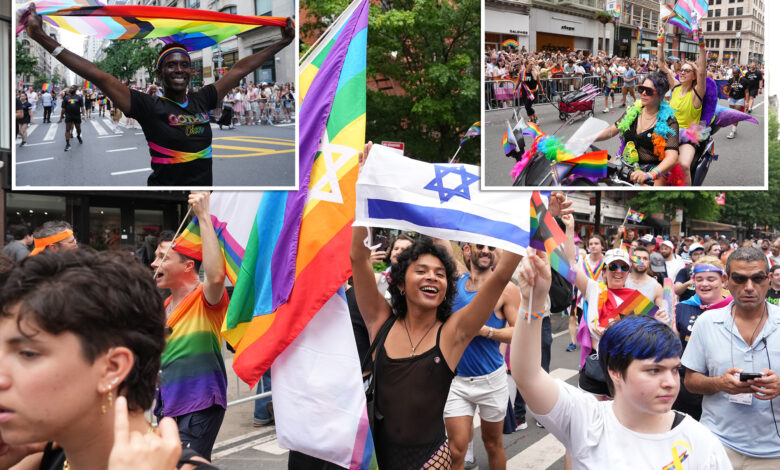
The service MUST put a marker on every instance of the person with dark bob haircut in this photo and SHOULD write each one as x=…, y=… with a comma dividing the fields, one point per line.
x=78, y=330
x=419, y=342
x=641, y=359
x=649, y=132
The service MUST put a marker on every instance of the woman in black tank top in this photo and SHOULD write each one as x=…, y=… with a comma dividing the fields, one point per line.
x=415, y=363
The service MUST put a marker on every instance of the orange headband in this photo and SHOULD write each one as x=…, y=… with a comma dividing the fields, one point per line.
x=42, y=243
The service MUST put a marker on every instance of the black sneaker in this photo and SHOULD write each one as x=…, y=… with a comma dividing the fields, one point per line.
x=539, y=425
x=22, y=144
x=67, y=147
x=80, y=141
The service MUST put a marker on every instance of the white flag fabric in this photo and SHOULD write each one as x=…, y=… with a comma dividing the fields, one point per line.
x=319, y=402
x=440, y=200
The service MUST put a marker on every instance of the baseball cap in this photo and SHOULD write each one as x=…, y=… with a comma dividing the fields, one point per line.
x=647, y=239
x=668, y=243
x=695, y=247
x=616, y=254
x=657, y=263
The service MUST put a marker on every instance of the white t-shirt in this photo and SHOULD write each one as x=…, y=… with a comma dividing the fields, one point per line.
x=595, y=438
x=674, y=266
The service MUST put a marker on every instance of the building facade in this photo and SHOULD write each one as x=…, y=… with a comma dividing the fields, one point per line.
x=507, y=19
x=564, y=25
x=734, y=30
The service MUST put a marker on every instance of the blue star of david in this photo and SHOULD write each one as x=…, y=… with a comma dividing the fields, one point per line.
x=462, y=190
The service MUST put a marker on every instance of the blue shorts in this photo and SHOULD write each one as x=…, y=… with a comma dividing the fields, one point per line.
x=608, y=91
x=198, y=430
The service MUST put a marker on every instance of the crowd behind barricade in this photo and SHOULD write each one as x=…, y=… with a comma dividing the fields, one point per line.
x=248, y=105
x=560, y=72
x=452, y=319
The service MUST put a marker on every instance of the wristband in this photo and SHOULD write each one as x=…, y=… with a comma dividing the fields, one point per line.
x=661, y=39
x=57, y=51
x=534, y=316
x=490, y=332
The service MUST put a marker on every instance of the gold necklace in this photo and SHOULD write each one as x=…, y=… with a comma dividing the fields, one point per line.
x=421, y=339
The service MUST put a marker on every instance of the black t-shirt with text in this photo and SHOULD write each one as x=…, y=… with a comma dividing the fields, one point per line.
x=179, y=136
x=754, y=78
x=773, y=296
x=738, y=88
x=72, y=105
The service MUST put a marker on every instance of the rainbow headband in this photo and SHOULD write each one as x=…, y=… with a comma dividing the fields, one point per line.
x=706, y=268
x=42, y=243
x=172, y=50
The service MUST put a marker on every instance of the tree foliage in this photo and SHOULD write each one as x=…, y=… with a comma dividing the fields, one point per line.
x=25, y=63
x=124, y=58
x=696, y=204
x=430, y=49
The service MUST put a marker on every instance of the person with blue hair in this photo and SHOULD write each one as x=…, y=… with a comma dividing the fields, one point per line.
x=641, y=359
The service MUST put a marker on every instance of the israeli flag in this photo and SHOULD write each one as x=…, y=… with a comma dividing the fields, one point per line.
x=440, y=200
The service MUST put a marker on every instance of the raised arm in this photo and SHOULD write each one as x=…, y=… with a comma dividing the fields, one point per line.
x=111, y=86
x=249, y=64
x=537, y=387
x=701, y=72
x=373, y=306
x=607, y=133
x=662, y=56
x=213, y=261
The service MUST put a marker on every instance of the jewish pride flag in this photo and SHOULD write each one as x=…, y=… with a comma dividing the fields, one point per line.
x=635, y=215
x=509, y=142
x=319, y=402
x=547, y=235
x=474, y=130
x=439, y=200
x=195, y=29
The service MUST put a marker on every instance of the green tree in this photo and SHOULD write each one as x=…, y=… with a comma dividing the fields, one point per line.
x=759, y=207
x=124, y=58
x=430, y=49
x=25, y=63
x=696, y=204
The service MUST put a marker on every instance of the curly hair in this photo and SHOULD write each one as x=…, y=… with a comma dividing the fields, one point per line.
x=660, y=82
x=423, y=246
x=106, y=299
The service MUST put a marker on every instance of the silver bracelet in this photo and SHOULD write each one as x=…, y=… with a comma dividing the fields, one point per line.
x=57, y=51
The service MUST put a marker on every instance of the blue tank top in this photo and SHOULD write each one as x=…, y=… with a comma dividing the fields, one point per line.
x=481, y=356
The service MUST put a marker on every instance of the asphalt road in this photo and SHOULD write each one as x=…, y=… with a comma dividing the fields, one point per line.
x=241, y=447
x=741, y=161
x=262, y=155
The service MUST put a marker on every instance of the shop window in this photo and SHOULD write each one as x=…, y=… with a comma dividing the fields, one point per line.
x=262, y=7
x=33, y=210
x=105, y=228
x=230, y=10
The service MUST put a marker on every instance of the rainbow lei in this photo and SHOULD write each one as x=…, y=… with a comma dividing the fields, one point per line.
x=661, y=131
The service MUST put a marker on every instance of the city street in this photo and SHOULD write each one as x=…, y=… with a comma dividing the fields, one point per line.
x=262, y=155
x=242, y=447
x=741, y=160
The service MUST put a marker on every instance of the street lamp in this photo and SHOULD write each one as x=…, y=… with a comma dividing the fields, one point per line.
x=739, y=47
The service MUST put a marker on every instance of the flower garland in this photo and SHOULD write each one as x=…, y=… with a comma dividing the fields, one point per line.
x=661, y=131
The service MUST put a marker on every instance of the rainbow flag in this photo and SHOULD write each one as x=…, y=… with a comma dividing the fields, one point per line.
x=474, y=130
x=636, y=304
x=46, y=87
x=635, y=216
x=509, y=142
x=547, y=235
x=592, y=166
x=638, y=33
x=511, y=42
x=196, y=29
x=88, y=84
x=533, y=130
x=670, y=300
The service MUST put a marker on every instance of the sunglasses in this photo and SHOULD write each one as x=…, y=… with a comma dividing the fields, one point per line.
x=479, y=247
x=618, y=267
x=645, y=90
x=686, y=70
x=757, y=278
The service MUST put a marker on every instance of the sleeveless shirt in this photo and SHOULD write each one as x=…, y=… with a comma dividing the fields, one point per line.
x=683, y=108
x=647, y=288
x=482, y=355
x=410, y=396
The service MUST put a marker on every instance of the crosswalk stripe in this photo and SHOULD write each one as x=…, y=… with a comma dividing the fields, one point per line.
x=109, y=124
x=126, y=172
x=541, y=454
x=98, y=127
x=240, y=438
x=272, y=447
x=51, y=132
x=34, y=161
x=246, y=445
x=122, y=150
x=30, y=129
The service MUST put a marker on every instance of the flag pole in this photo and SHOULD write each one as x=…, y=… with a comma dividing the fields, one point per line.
x=186, y=216
x=456, y=154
